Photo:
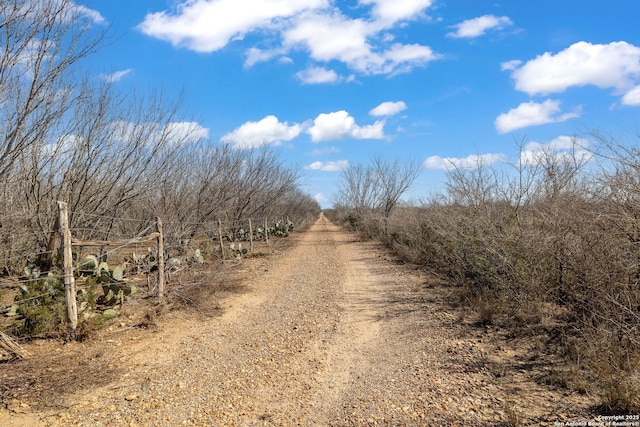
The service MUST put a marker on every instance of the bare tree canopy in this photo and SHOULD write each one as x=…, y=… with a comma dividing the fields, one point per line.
x=107, y=153
x=42, y=42
x=378, y=185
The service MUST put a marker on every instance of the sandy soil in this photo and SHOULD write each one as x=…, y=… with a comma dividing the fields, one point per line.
x=330, y=332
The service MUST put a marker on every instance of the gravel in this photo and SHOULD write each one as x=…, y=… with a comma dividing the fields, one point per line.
x=330, y=332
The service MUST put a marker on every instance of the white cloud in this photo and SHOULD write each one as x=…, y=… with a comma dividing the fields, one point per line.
x=84, y=12
x=340, y=125
x=470, y=162
x=317, y=75
x=209, y=25
x=331, y=36
x=388, y=108
x=269, y=130
x=632, y=97
x=255, y=55
x=175, y=133
x=184, y=132
x=477, y=27
x=531, y=114
x=324, y=151
x=615, y=65
x=64, y=147
x=320, y=198
x=72, y=11
x=391, y=11
x=561, y=148
x=334, y=166
x=510, y=65
x=317, y=27
x=403, y=58
x=115, y=77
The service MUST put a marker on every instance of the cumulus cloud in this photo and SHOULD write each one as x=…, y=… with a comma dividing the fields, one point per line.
x=209, y=25
x=116, y=76
x=317, y=75
x=531, y=114
x=470, y=162
x=388, y=109
x=340, y=125
x=477, y=27
x=269, y=130
x=632, y=97
x=391, y=11
x=316, y=26
x=615, y=65
x=334, y=166
x=562, y=148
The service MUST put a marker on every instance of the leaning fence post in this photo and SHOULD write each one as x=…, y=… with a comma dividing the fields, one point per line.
x=220, y=239
x=250, y=236
x=67, y=265
x=160, y=258
x=266, y=232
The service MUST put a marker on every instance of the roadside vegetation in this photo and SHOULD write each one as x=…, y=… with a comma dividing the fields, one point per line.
x=120, y=161
x=546, y=248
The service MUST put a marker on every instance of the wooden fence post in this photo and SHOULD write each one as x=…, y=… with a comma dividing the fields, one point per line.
x=220, y=239
x=67, y=264
x=266, y=232
x=160, y=258
x=250, y=236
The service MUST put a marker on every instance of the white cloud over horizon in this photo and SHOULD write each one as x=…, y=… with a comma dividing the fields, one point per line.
x=532, y=114
x=477, y=27
x=388, y=108
x=472, y=161
x=608, y=66
x=330, y=166
x=184, y=132
x=269, y=130
x=561, y=148
x=340, y=125
x=174, y=133
x=320, y=198
x=317, y=27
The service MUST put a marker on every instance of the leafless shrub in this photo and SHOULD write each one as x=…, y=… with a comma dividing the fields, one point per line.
x=548, y=242
x=372, y=191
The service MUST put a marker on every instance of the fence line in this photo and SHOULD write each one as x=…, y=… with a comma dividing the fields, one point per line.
x=223, y=232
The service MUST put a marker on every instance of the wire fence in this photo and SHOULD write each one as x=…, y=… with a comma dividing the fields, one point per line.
x=116, y=250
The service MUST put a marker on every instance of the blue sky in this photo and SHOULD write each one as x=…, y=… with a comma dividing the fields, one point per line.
x=328, y=83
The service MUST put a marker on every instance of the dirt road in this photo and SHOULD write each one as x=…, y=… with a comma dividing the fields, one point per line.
x=332, y=332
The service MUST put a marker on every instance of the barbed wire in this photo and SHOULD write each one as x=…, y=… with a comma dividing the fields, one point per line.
x=107, y=217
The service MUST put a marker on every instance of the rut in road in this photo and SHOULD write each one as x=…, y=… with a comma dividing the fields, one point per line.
x=333, y=334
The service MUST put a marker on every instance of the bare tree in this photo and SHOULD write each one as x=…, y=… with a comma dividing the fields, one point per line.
x=393, y=179
x=42, y=42
x=357, y=189
x=377, y=186
x=111, y=152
